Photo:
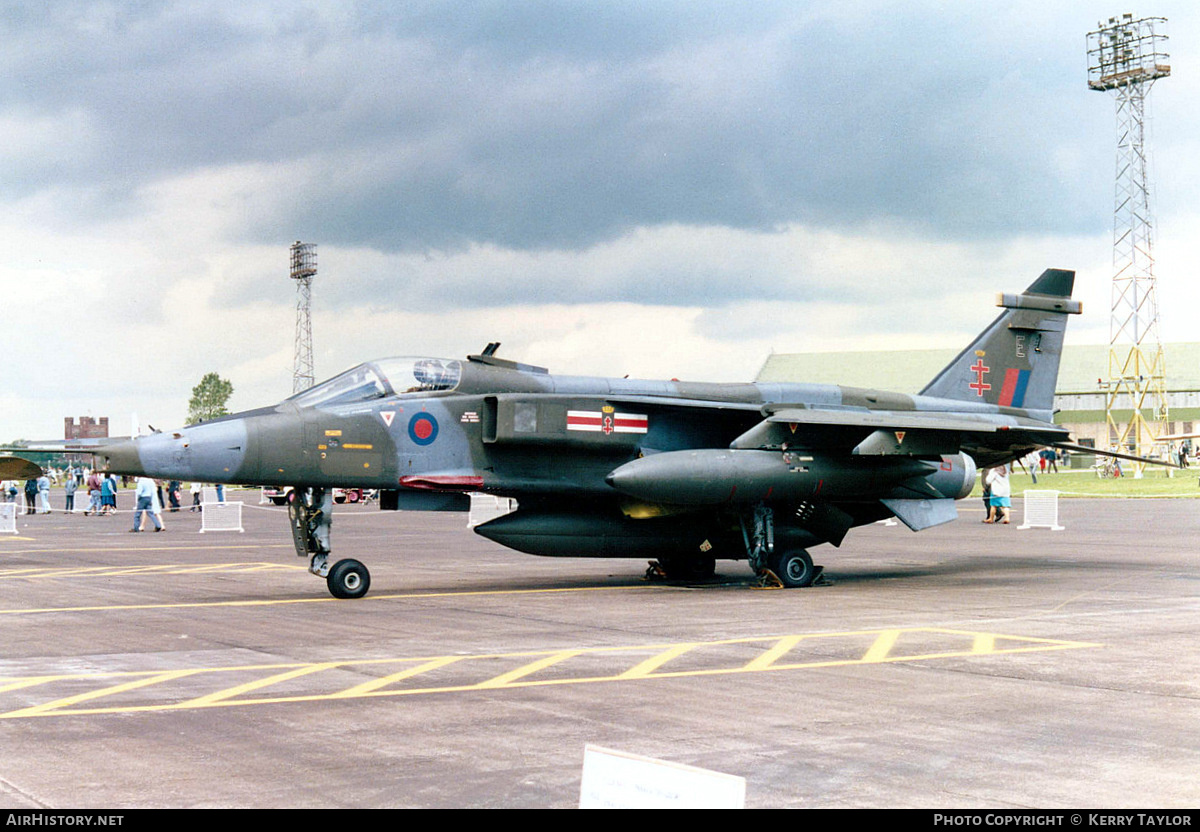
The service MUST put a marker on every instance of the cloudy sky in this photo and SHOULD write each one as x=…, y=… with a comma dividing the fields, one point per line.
x=660, y=189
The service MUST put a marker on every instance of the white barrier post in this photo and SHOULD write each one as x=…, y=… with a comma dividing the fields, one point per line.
x=485, y=507
x=221, y=517
x=1041, y=509
x=8, y=518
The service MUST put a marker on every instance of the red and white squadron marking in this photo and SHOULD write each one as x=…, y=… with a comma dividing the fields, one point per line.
x=607, y=421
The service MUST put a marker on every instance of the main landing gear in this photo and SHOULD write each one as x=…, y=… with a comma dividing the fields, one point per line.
x=789, y=568
x=311, y=513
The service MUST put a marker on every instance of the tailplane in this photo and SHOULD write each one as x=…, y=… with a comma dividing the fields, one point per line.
x=1014, y=362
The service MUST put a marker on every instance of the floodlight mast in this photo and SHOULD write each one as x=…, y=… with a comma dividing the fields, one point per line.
x=1126, y=57
x=304, y=269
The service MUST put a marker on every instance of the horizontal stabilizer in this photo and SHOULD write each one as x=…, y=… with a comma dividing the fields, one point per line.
x=1084, y=449
x=921, y=514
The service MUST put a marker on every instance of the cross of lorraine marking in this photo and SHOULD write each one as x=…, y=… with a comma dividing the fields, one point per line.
x=979, y=385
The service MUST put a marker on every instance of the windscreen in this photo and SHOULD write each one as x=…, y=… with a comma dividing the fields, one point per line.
x=358, y=384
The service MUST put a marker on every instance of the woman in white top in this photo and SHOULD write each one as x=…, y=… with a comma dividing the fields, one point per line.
x=1001, y=500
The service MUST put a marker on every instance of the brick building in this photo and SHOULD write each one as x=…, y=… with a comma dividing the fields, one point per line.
x=86, y=428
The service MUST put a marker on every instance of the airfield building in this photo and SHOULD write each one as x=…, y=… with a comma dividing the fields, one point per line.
x=85, y=428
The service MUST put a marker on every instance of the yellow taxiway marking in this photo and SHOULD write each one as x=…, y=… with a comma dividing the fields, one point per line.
x=399, y=676
x=882, y=647
x=770, y=656
x=71, y=701
x=33, y=572
x=649, y=666
x=212, y=687
x=325, y=599
x=183, y=546
x=238, y=690
x=510, y=678
x=984, y=643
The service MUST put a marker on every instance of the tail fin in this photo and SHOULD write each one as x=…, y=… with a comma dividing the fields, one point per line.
x=1014, y=362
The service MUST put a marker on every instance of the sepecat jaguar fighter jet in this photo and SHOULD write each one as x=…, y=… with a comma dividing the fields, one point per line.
x=684, y=472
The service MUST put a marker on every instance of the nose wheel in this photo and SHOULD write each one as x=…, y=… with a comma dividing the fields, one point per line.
x=348, y=579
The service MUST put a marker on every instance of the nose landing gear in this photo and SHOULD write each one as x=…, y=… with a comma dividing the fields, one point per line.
x=310, y=511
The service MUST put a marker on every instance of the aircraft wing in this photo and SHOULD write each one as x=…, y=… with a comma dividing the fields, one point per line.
x=15, y=468
x=884, y=419
x=63, y=446
x=913, y=433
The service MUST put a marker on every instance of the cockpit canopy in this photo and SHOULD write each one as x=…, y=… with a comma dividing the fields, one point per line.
x=386, y=377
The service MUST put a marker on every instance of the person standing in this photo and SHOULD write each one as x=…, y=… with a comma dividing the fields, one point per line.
x=43, y=486
x=108, y=499
x=1001, y=494
x=116, y=488
x=145, y=503
x=93, y=487
x=31, y=490
x=157, y=506
x=70, y=485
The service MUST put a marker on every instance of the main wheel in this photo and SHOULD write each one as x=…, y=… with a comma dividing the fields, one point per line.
x=353, y=495
x=348, y=579
x=794, y=568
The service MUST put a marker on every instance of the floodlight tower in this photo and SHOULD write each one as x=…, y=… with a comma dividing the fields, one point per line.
x=1126, y=57
x=304, y=269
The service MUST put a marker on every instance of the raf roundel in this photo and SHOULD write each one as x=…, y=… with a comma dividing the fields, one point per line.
x=423, y=429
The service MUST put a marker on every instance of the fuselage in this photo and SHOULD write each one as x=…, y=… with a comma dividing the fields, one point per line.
x=487, y=425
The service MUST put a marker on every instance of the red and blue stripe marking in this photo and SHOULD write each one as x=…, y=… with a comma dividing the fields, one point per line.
x=1012, y=392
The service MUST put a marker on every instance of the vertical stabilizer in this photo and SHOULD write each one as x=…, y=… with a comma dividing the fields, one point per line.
x=1014, y=362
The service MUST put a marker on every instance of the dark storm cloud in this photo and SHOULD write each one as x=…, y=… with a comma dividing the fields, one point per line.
x=552, y=125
